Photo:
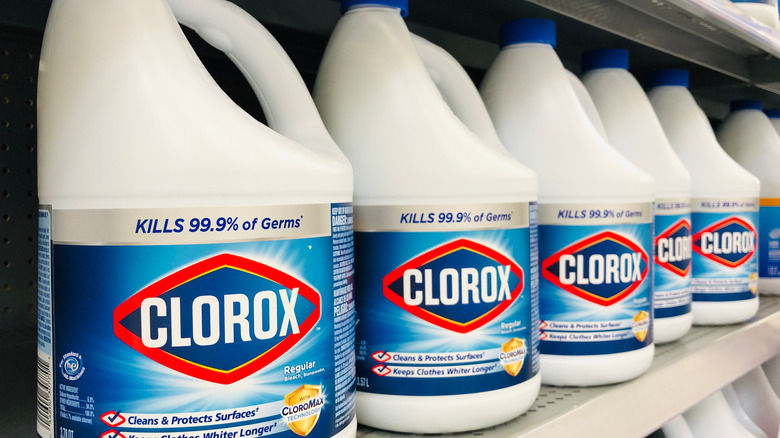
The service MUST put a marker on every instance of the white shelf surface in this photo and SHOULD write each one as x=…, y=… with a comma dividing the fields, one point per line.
x=682, y=374
x=725, y=15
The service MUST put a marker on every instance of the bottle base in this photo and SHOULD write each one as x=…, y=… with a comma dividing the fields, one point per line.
x=597, y=369
x=768, y=286
x=348, y=432
x=672, y=328
x=762, y=12
x=723, y=313
x=446, y=413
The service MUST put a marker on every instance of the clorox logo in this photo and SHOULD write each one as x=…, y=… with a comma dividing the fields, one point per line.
x=729, y=242
x=221, y=319
x=459, y=286
x=673, y=248
x=603, y=269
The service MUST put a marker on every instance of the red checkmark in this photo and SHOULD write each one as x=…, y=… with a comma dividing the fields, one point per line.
x=381, y=356
x=112, y=419
x=543, y=336
x=112, y=434
x=543, y=325
x=381, y=370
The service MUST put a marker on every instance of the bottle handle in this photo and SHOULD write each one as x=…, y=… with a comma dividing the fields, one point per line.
x=285, y=99
x=586, y=102
x=458, y=91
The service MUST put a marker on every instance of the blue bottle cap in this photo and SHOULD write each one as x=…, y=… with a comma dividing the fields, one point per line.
x=745, y=104
x=403, y=5
x=675, y=77
x=605, y=58
x=527, y=30
x=772, y=113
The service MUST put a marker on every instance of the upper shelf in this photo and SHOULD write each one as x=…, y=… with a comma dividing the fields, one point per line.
x=730, y=55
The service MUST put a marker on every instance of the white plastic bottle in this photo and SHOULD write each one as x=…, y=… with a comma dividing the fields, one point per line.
x=774, y=117
x=738, y=410
x=749, y=138
x=447, y=338
x=633, y=129
x=772, y=371
x=595, y=216
x=198, y=243
x=677, y=427
x=763, y=11
x=759, y=400
x=712, y=417
x=583, y=97
x=724, y=200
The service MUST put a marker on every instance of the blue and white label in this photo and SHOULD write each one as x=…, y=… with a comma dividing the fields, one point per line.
x=760, y=2
x=724, y=243
x=769, y=238
x=191, y=311
x=446, y=298
x=672, y=254
x=595, y=283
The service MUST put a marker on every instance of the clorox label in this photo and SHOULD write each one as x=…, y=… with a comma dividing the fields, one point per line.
x=446, y=304
x=179, y=336
x=673, y=248
x=460, y=286
x=603, y=268
x=595, y=287
x=673, y=258
x=730, y=242
x=769, y=238
x=724, y=242
x=198, y=322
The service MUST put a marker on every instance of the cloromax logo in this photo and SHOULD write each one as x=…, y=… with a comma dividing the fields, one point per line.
x=729, y=242
x=459, y=286
x=221, y=319
x=603, y=268
x=673, y=248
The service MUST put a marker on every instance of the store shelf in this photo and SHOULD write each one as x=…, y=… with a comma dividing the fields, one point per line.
x=682, y=374
x=731, y=55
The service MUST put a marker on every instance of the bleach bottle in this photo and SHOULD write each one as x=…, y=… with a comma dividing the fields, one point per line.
x=739, y=411
x=774, y=117
x=724, y=207
x=749, y=138
x=713, y=417
x=758, y=400
x=762, y=11
x=595, y=216
x=187, y=252
x=583, y=97
x=633, y=129
x=676, y=428
x=447, y=335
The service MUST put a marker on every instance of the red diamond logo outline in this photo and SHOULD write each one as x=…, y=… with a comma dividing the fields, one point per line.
x=441, y=251
x=590, y=241
x=721, y=224
x=381, y=356
x=198, y=269
x=118, y=419
x=381, y=370
x=682, y=223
